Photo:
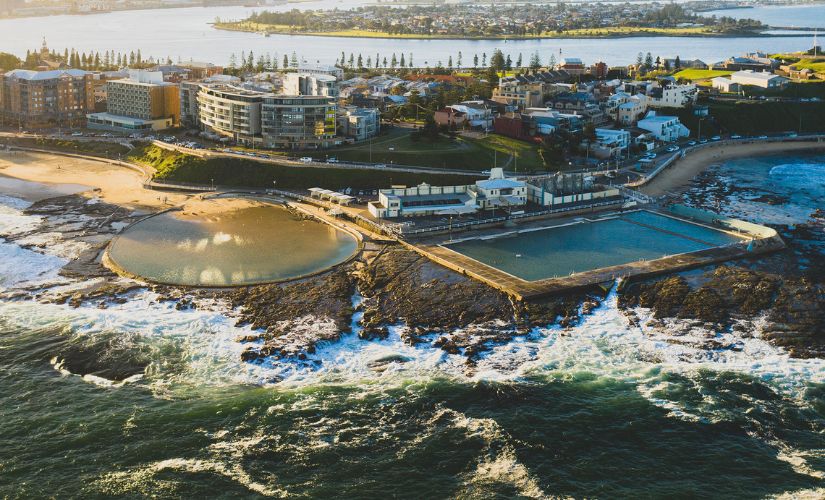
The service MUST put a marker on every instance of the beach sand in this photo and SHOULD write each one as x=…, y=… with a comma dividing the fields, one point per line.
x=680, y=173
x=37, y=176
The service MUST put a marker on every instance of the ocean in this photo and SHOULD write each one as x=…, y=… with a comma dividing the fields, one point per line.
x=603, y=409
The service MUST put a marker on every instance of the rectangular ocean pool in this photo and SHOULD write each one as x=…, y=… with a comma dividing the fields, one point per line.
x=586, y=245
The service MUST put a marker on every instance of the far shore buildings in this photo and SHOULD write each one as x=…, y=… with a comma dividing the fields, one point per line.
x=33, y=99
x=141, y=103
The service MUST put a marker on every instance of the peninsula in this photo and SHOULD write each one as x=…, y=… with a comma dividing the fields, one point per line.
x=499, y=22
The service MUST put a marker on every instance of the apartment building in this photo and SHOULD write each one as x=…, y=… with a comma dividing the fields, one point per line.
x=316, y=84
x=46, y=98
x=321, y=69
x=359, y=123
x=231, y=111
x=297, y=122
x=140, y=103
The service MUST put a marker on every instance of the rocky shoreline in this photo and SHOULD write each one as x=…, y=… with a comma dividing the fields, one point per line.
x=391, y=286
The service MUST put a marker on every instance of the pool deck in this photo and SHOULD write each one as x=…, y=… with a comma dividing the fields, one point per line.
x=521, y=289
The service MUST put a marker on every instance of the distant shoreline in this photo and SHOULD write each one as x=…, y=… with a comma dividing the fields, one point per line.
x=548, y=36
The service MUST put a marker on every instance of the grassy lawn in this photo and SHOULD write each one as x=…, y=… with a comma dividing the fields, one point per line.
x=461, y=153
x=177, y=167
x=699, y=74
x=816, y=65
x=93, y=148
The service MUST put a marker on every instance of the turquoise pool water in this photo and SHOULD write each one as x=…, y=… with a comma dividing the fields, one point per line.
x=582, y=246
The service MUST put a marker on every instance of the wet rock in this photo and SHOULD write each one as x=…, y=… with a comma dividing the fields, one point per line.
x=795, y=307
x=408, y=288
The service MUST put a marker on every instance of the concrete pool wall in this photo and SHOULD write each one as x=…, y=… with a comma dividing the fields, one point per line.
x=753, y=239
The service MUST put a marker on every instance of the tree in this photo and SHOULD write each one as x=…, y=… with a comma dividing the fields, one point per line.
x=369, y=61
x=393, y=61
x=458, y=61
x=286, y=61
x=475, y=61
x=518, y=61
x=9, y=62
x=497, y=61
x=677, y=62
x=508, y=64
x=450, y=62
x=484, y=59
x=552, y=62
x=535, y=61
x=293, y=61
x=402, y=63
x=648, y=61
x=639, y=59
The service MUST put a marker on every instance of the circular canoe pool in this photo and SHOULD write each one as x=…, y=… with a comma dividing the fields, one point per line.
x=227, y=242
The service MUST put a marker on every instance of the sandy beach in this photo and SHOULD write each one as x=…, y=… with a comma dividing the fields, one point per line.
x=37, y=176
x=680, y=173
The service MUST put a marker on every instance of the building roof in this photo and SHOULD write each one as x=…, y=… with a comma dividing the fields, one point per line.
x=755, y=75
x=27, y=74
x=499, y=184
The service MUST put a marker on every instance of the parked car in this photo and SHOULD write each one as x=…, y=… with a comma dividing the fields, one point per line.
x=305, y=159
x=736, y=136
x=715, y=138
x=691, y=143
x=332, y=160
x=673, y=149
x=77, y=134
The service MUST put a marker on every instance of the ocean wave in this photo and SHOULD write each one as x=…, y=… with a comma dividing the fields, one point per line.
x=800, y=175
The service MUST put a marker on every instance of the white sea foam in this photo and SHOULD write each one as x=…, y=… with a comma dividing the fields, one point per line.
x=800, y=175
x=21, y=267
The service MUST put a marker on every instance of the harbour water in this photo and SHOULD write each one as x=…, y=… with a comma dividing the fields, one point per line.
x=210, y=243
x=554, y=412
x=185, y=34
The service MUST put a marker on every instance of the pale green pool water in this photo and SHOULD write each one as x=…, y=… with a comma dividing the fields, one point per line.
x=584, y=246
x=254, y=244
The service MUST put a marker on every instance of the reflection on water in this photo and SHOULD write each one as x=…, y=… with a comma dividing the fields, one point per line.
x=250, y=243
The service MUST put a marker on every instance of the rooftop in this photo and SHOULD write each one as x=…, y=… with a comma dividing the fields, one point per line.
x=27, y=74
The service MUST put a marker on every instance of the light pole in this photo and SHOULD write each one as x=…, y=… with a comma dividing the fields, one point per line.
x=213, y=184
